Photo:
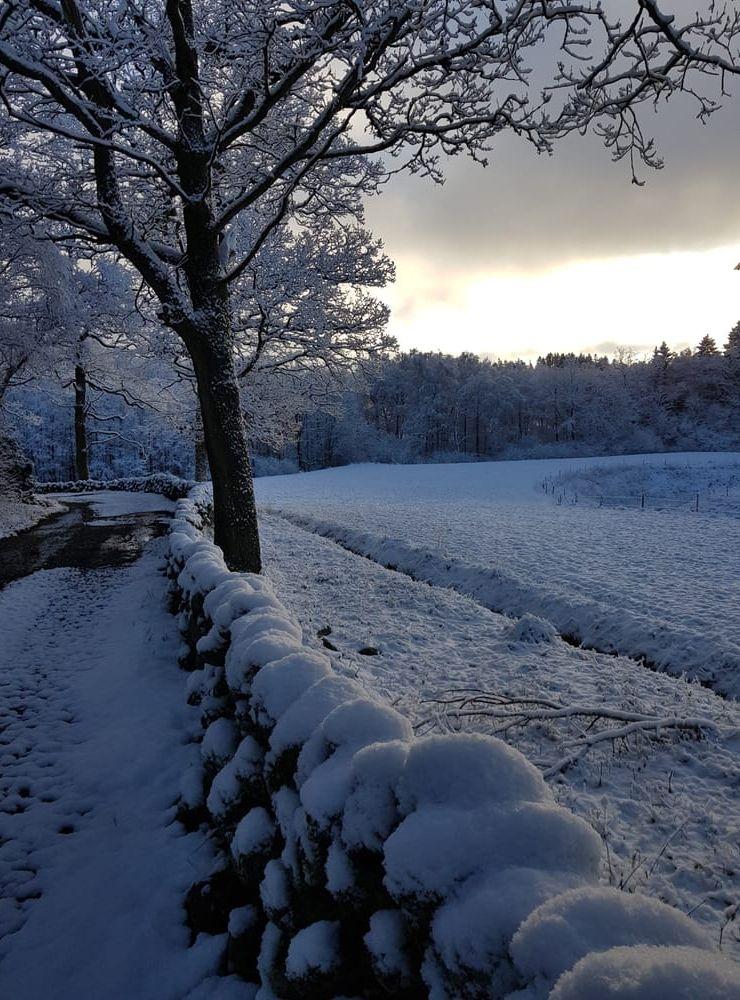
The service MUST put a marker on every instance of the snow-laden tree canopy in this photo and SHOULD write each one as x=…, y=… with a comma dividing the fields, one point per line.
x=34, y=308
x=192, y=137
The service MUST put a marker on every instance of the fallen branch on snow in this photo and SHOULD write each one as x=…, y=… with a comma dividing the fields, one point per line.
x=462, y=705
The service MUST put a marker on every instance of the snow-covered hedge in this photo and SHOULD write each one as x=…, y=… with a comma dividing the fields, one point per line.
x=160, y=482
x=375, y=863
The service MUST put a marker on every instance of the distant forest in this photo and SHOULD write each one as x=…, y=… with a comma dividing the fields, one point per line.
x=423, y=407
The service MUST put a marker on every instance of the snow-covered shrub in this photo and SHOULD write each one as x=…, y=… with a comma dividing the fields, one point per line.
x=220, y=741
x=314, y=950
x=253, y=844
x=238, y=784
x=380, y=864
x=388, y=943
x=530, y=628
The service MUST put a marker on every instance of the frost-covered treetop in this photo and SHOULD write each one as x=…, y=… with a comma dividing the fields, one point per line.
x=267, y=111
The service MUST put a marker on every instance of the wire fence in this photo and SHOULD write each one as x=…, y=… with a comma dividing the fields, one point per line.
x=724, y=500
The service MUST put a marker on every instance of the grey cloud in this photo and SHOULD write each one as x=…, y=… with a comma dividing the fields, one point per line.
x=527, y=212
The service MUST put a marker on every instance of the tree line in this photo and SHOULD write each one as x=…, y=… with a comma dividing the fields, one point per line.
x=430, y=406
x=420, y=407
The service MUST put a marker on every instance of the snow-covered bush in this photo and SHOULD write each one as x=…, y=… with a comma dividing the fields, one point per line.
x=530, y=628
x=376, y=863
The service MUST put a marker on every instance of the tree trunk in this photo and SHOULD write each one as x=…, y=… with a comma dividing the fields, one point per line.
x=82, y=466
x=299, y=444
x=235, y=513
x=202, y=472
x=208, y=334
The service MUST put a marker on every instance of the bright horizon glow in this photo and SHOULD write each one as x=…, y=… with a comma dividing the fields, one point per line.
x=589, y=305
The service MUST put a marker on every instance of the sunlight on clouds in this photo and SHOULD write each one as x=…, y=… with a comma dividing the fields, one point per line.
x=588, y=305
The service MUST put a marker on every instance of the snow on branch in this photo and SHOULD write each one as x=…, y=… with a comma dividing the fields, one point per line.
x=650, y=57
x=155, y=127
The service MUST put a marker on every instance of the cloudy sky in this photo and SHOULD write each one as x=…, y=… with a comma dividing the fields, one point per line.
x=540, y=253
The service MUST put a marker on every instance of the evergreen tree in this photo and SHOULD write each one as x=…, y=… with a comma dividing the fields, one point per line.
x=732, y=347
x=707, y=347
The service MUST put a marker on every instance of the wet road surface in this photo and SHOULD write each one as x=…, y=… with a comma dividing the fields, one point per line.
x=79, y=538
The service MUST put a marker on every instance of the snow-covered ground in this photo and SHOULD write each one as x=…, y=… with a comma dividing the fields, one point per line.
x=93, y=868
x=93, y=743
x=666, y=807
x=16, y=516
x=663, y=584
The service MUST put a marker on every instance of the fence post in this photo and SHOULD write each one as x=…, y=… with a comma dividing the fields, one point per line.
x=697, y=503
x=642, y=501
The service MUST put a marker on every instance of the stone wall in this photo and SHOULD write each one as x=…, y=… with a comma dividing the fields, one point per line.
x=360, y=861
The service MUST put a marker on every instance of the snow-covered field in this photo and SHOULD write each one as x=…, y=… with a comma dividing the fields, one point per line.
x=661, y=584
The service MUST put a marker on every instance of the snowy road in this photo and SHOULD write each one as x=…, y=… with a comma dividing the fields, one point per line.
x=94, y=739
x=93, y=530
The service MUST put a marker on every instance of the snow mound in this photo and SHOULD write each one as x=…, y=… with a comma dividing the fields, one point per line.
x=219, y=743
x=281, y=682
x=532, y=629
x=314, y=948
x=371, y=808
x=233, y=784
x=587, y=920
x=467, y=770
x=650, y=973
x=298, y=722
x=473, y=929
x=253, y=834
x=436, y=848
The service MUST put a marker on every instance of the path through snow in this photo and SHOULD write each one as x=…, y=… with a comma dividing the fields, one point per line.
x=94, y=739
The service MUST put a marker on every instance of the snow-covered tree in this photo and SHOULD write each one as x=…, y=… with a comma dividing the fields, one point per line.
x=707, y=347
x=34, y=308
x=732, y=355
x=184, y=135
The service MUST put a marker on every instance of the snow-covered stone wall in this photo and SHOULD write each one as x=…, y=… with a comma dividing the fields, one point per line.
x=160, y=482
x=374, y=863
